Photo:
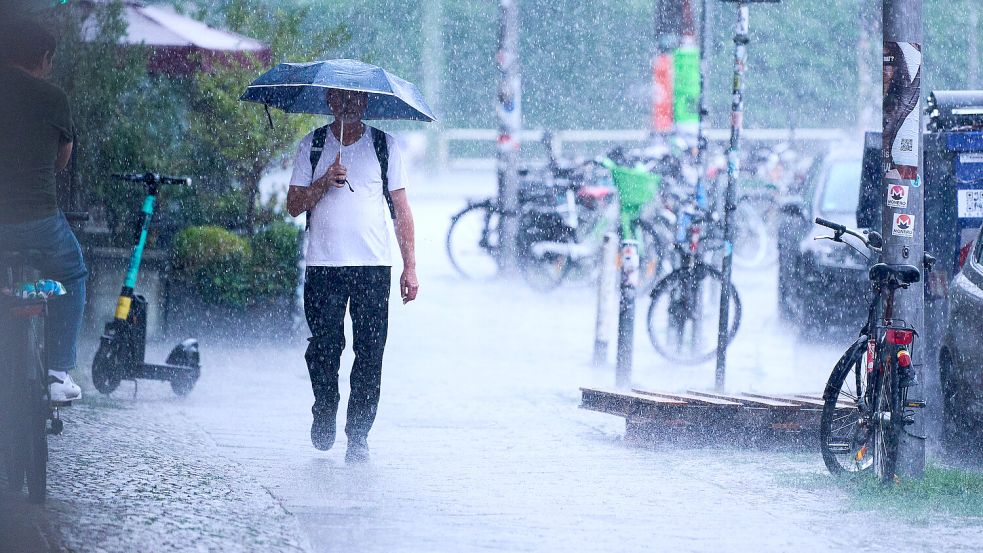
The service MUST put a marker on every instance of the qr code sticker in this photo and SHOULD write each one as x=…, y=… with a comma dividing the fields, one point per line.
x=907, y=144
x=970, y=204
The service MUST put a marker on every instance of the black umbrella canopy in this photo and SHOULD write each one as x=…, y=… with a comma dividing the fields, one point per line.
x=300, y=88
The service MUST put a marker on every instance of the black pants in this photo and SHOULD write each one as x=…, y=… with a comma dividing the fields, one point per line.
x=327, y=292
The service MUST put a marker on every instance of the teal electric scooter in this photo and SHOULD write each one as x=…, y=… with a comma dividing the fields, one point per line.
x=124, y=342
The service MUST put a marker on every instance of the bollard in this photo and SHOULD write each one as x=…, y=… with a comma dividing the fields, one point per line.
x=626, y=312
x=605, y=297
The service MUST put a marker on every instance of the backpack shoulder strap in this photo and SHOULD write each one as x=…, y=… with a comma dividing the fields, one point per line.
x=317, y=147
x=381, y=146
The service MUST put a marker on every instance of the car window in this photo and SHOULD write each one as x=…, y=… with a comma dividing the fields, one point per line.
x=842, y=187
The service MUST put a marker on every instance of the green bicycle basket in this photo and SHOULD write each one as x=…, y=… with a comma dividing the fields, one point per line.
x=636, y=187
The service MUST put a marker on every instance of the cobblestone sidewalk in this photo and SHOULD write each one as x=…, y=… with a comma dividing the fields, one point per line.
x=135, y=475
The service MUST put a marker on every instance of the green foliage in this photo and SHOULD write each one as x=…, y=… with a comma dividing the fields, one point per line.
x=124, y=119
x=942, y=491
x=275, y=257
x=232, y=140
x=228, y=269
x=586, y=64
x=216, y=262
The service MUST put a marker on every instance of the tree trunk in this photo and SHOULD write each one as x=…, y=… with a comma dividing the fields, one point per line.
x=250, y=187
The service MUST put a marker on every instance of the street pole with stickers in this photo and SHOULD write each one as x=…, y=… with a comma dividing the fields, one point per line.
x=509, y=111
x=903, y=220
x=741, y=39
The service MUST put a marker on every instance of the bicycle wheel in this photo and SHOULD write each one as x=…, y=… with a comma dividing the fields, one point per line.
x=844, y=429
x=653, y=256
x=26, y=443
x=472, y=241
x=888, y=421
x=37, y=405
x=105, y=367
x=543, y=249
x=684, y=315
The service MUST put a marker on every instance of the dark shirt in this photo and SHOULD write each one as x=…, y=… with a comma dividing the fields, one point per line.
x=35, y=120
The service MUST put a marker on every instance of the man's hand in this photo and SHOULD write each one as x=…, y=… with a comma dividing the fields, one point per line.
x=335, y=177
x=408, y=285
x=338, y=173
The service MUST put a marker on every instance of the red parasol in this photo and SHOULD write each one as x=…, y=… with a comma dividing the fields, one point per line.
x=180, y=45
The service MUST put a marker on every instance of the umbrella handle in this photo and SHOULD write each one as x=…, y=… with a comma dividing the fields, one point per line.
x=268, y=116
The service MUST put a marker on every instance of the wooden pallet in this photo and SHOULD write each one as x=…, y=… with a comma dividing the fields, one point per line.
x=711, y=417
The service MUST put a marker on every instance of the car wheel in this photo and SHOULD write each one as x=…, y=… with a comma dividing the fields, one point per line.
x=953, y=420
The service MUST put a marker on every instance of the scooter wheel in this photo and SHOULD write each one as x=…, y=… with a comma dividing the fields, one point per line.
x=184, y=382
x=182, y=385
x=105, y=375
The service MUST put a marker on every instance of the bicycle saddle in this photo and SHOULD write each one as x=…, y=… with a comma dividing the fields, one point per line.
x=905, y=274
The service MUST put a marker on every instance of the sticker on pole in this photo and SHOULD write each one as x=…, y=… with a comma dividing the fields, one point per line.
x=897, y=195
x=904, y=225
x=629, y=263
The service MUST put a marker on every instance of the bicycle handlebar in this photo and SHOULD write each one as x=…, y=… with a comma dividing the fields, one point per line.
x=873, y=241
x=831, y=225
x=151, y=178
x=77, y=216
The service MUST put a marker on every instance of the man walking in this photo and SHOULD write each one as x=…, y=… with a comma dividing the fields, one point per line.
x=36, y=139
x=345, y=191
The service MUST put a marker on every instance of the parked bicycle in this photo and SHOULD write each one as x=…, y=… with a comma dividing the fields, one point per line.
x=25, y=405
x=685, y=310
x=866, y=406
x=563, y=215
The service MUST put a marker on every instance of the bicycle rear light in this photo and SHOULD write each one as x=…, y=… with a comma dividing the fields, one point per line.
x=897, y=337
x=904, y=359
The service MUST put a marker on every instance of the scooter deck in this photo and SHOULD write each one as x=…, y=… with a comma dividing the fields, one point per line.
x=158, y=371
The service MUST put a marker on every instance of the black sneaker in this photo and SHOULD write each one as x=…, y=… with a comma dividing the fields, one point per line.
x=358, y=450
x=322, y=432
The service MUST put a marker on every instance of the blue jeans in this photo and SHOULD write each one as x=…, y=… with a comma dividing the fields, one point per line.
x=62, y=261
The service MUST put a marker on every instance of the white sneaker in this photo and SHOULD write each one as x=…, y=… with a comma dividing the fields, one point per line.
x=61, y=387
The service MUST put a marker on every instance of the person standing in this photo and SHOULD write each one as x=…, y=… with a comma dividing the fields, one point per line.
x=36, y=140
x=349, y=261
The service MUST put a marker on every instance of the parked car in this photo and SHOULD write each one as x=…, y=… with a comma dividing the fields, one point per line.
x=818, y=280
x=961, y=355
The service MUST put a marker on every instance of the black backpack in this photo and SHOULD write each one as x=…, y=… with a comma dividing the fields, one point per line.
x=381, y=153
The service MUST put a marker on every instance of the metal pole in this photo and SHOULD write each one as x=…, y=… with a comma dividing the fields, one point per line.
x=902, y=222
x=973, y=75
x=432, y=22
x=626, y=308
x=509, y=123
x=701, y=139
x=867, y=103
x=605, y=298
x=733, y=169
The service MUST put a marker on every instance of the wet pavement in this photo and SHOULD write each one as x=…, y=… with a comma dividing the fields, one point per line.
x=138, y=475
x=479, y=444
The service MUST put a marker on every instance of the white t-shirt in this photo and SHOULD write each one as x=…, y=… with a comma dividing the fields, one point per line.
x=348, y=228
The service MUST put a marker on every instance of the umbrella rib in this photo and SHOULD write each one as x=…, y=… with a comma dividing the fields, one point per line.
x=278, y=85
